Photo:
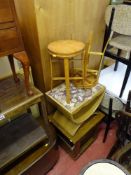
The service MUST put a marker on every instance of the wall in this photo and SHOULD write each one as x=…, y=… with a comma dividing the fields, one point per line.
x=5, y=69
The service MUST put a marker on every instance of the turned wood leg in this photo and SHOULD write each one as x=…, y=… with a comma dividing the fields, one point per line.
x=67, y=81
x=23, y=58
x=26, y=75
x=12, y=65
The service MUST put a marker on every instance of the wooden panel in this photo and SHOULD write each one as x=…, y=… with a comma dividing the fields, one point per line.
x=25, y=10
x=5, y=11
x=10, y=40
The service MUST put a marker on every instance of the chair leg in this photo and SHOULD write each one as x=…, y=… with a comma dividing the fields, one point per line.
x=128, y=70
x=12, y=65
x=67, y=81
x=26, y=76
x=23, y=58
x=51, y=71
x=117, y=62
x=108, y=119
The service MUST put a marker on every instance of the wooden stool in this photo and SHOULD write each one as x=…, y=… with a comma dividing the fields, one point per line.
x=65, y=50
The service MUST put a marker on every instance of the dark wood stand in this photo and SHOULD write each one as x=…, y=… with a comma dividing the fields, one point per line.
x=25, y=144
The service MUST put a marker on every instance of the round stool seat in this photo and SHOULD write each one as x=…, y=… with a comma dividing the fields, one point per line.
x=66, y=48
x=104, y=167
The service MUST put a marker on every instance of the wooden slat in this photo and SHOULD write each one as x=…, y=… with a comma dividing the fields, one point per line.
x=70, y=78
x=13, y=97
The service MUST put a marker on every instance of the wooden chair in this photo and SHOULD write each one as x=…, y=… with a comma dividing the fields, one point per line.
x=90, y=76
x=11, y=44
x=118, y=34
x=65, y=50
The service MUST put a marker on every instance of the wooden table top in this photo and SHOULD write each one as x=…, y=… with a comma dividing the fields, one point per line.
x=66, y=47
x=14, y=99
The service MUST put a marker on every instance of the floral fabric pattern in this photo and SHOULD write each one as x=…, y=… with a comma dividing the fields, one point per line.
x=78, y=95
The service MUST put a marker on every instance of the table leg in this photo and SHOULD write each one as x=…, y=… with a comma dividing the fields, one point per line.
x=67, y=81
x=11, y=61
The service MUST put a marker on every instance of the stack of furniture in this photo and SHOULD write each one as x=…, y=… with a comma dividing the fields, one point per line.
x=76, y=123
x=75, y=105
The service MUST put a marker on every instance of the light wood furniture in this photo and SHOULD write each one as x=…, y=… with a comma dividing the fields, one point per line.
x=84, y=102
x=90, y=76
x=65, y=50
x=85, y=135
x=26, y=142
x=11, y=40
x=77, y=122
x=55, y=20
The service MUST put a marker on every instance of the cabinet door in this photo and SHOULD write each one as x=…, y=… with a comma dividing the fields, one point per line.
x=6, y=14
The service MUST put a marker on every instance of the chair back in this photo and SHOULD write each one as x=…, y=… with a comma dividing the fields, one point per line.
x=121, y=20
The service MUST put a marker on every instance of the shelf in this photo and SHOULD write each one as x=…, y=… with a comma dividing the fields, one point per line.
x=19, y=136
x=14, y=100
x=83, y=130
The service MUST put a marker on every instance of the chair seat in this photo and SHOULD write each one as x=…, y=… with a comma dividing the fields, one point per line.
x=66, y=47
x=121, y=42
x=109, y=75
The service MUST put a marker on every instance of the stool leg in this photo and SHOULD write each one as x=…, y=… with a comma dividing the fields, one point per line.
x=84, y=68
x=51, y=71
x=12, y=65
x=109, y=119
x=67, y=81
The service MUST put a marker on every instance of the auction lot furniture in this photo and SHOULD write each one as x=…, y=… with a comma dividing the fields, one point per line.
x=24, y=142
x=122, y=148
x=11, y=44
x=118, y=20
x=76, y=123
x=108, y=78
x=65, y=50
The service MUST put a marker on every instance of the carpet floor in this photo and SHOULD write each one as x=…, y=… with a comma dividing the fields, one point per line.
x=97, y=150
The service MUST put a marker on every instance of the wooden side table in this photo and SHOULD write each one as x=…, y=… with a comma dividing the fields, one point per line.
x=65, y=50
x=26, y=141
x=11, y=44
